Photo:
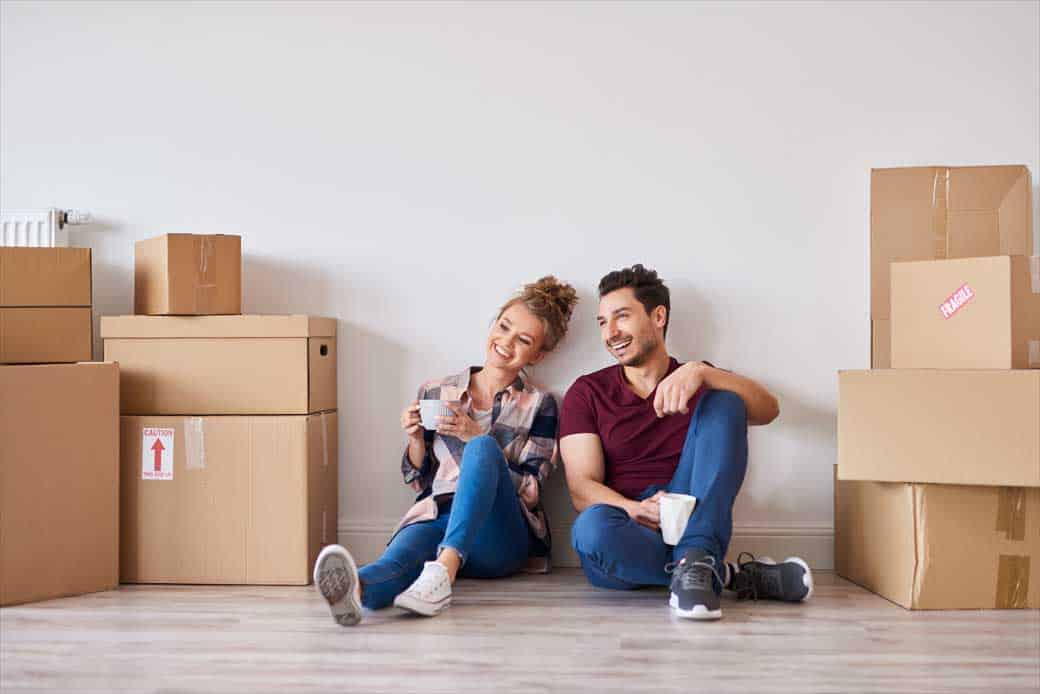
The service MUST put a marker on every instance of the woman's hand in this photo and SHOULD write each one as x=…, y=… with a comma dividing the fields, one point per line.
x=410, y=421
x=460, y=425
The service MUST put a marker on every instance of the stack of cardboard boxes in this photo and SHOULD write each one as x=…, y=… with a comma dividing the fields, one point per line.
x=228, y=462
x=59, y=432
x=937, y=491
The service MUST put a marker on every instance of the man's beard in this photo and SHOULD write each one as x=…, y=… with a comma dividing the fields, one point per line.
x=645, y=348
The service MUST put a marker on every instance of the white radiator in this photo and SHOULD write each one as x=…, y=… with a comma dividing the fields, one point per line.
x=38, y=227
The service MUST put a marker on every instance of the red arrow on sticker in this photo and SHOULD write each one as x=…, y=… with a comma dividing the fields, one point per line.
x=158, y=448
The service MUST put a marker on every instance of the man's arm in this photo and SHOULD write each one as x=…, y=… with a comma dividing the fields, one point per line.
x=675, y=391
x=584, y=467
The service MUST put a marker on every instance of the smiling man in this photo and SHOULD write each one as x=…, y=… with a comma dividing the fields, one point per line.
x=649, y=425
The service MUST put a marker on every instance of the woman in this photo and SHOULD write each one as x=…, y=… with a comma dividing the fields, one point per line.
x=479, y=475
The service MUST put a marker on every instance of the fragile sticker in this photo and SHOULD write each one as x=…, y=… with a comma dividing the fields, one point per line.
x=956, y=301
x=157, y=454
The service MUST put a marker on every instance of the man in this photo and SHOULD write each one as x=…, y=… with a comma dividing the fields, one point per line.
x=632, y=431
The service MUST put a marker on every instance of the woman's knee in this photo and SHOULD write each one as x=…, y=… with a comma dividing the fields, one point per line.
x=482, y=449
x=594, y=528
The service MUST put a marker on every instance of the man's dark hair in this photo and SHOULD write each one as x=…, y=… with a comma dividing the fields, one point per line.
x=649, y=289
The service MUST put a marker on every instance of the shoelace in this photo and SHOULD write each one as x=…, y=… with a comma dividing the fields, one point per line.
x=751, y=572
x=695, y=575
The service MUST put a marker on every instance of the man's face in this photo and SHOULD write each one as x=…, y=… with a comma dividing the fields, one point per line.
x=630, y=334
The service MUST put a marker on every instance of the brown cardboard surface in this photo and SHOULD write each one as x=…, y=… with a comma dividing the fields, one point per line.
x=217, y=326
x=45, y=335
x=940, y=426
x=927, y=546
x=929, y=213
x=188, y=274
x=211, y=365
x=880, y=344
x=59, y=484
x=987, y=326
x=44, y=277
x=251, y=501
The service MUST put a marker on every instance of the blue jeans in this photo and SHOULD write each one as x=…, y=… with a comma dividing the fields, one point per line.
x=485, y=524
x=616, y=552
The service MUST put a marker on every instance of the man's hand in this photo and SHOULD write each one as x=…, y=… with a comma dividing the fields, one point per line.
x=675, y=391
x=460, y=425
x=647, y=512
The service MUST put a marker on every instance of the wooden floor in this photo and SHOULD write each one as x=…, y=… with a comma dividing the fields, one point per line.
x=530, y=634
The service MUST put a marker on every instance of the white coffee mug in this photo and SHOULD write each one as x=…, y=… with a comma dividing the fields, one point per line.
x=430, y=410
x=676, y=510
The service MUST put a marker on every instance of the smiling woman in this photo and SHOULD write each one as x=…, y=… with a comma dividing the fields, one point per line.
x=485, y=460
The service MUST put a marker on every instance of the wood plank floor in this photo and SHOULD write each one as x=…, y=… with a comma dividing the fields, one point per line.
x=530, y=633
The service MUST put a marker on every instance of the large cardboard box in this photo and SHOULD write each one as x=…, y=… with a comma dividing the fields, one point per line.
x=59, y=480
x=969, y=313
x=188, y=274
x=45, y=307
x=229, y=500
x=940, y=426
x=42, y=277
x=223, y=364
x=938, y=212
x=934, y=546
x=45, y=335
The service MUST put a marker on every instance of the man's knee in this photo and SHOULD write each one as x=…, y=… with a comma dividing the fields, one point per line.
x=593, y=529
x=723, y=406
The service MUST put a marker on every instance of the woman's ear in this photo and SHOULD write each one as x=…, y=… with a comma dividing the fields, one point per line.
x=541, y=355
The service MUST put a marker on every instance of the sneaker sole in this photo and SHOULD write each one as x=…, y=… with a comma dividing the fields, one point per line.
x=699, y=612
x=426, y=609
x=335, y=577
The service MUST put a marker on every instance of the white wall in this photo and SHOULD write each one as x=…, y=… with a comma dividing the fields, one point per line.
x=404, y=167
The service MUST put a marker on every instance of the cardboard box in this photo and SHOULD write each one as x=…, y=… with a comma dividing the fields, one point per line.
x=44, y=277
x=881, y=344
x=970, y=313
x=188, y=274
x=45, y=335
x=938, y=547
x=934, y=212
x=943, y=427
x=228, y=500
x=59, y=480
x=223, y=364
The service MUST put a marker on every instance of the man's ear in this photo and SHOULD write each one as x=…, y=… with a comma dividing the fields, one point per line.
x=660, y=316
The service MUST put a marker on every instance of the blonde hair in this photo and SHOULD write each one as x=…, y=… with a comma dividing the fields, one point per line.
x=550, y=300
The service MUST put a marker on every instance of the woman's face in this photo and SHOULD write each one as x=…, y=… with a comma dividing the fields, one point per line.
x=516, y=338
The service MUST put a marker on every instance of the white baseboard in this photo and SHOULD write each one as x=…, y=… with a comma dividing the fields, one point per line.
x=813, y=542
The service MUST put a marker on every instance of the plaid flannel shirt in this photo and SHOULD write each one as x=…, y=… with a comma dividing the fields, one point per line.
x=524, y=421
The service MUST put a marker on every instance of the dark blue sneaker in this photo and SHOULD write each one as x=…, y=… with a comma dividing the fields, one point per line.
x=696, y=586
x=790, y=580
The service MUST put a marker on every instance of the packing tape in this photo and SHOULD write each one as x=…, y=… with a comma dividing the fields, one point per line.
x=1011, y=512
x=940, y=207
x=1012, y=582
x=1034, y=273
x=324, y=439
x=194, y=444
x=206, y=276
x=1034, y=354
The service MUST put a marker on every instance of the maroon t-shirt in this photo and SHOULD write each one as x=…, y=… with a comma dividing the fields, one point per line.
x=639, y=449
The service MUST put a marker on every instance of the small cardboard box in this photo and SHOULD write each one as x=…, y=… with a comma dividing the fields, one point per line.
x=227, y=500
x=188, y=274
x=940, y=426
x=938, y=212
x=211, y=365
x=970, y=313
x=59, y=480
x=937, y=546
x=45, y=309
x=45, y=335
x=42, y=277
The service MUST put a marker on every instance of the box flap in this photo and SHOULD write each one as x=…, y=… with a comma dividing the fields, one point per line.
x=216, y=326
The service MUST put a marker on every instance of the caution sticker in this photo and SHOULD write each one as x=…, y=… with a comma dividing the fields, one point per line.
x=157, y=454
x=956, y=301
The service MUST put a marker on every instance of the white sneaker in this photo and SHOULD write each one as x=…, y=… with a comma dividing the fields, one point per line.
x=429, y=594
x=336, y=578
